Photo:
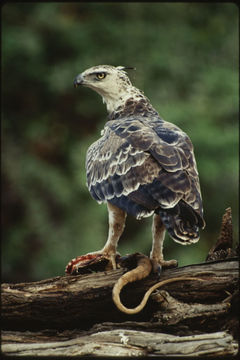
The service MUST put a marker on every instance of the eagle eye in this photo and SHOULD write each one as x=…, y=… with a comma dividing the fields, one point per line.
x=101, y=75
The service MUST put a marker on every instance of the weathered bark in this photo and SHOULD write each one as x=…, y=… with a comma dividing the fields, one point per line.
x=120, y=342
x=69, y=302
x=75, y=315
x=82, y=300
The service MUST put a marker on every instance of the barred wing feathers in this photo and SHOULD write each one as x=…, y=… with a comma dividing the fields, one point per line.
x=145, y=166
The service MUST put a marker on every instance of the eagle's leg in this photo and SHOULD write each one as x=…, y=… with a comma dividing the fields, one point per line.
x=116, y=218
x=156, y=255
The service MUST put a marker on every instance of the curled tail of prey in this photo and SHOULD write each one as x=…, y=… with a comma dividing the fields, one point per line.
x=182, y=222
x=142, y=270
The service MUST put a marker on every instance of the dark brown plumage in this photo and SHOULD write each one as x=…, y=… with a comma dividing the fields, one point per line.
x=141, y=165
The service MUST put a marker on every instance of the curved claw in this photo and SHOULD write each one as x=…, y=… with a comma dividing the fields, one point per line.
x=98, y=261
x=156, y=267
x=81, y=262
x=159, y=270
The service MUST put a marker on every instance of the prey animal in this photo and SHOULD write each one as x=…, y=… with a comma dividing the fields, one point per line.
x=141, y=166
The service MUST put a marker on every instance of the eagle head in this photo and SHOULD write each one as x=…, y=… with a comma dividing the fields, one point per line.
x=111, y=82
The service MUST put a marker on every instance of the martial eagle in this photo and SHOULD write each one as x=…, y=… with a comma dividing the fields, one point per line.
x=141, y=165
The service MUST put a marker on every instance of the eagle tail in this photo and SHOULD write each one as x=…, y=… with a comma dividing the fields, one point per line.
x=182, y=222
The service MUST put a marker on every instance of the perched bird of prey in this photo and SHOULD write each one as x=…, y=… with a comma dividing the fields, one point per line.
x=141, y=165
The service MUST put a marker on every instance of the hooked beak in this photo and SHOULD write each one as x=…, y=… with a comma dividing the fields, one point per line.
x=78, y=80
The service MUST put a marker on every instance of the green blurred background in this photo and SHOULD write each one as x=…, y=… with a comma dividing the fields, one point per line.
x=186, y=55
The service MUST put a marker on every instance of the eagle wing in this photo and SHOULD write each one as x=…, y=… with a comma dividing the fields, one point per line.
x=145, y=166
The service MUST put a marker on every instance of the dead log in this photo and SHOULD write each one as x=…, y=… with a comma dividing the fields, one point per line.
x=81, y=301
x=120, y=342
x=75, y=315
